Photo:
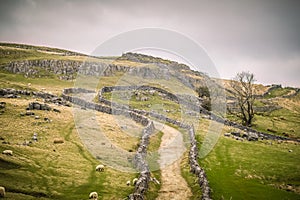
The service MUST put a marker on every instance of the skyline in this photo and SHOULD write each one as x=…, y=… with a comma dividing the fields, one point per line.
x=257, y=36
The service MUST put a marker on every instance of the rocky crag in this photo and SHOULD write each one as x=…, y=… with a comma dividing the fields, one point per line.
x=150, y=68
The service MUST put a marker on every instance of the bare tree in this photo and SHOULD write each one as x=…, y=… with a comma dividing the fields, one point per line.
x=243, y=91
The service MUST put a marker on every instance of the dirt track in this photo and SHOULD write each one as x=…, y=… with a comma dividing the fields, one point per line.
x=171, y=150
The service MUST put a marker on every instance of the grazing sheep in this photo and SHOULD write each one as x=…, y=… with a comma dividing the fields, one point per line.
x=8, y=152
x=100, y=168
x=2, y=191
x=34, y=137
x=134, y=181
x=128, y=183
x=93, y=195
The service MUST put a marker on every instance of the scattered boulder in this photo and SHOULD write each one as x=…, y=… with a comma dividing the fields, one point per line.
x=58, y=141
x=286, y=134
x=227, y=134
x=2, y=105
x=144, y=98
x=271, y=130
x=252, y=136
x=27, y=143
x=29, y=113
x=237, y=134
x=123, y=127
x=268, y=143
x=238, y=138
x=5, y=142
x=38, y=106
x=47, y=119
x=10, y=96
x=56, y=110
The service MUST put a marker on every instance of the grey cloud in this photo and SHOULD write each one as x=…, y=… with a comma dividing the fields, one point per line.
x=234, y=32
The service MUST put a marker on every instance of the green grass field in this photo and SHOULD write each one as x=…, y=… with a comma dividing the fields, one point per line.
x=53, y=171
x=252, y=170
x=44, y=170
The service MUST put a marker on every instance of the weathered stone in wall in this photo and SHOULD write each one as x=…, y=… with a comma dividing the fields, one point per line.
x=38, y=106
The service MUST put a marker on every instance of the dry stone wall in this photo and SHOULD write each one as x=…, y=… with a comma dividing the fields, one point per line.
x=195, y=167
x=139, y=160
x=49, y=98
x=191, y=104
x=193, y=153
x=65, y=69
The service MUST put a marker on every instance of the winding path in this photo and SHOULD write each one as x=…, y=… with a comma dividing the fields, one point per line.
x=171, y=150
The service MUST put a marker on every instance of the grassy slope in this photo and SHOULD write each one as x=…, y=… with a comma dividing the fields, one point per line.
x=278, y=92
x=234, y=169
x=15, y=52
x=18, y=81
x=251, y=170
x=113, y=187
x=45, y=169
x=77, y=177
x=154, y=102
x=264, y=168
x=284, y=121
x=39, y=171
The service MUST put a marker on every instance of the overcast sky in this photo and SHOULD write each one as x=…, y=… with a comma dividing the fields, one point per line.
x=260, y=36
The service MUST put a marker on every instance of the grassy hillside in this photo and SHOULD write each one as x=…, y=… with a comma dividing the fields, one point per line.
x=48, y=170
x=44, y=170
x=251, y=170
x=281, y=110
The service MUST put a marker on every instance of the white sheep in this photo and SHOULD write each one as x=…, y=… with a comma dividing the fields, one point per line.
x=8, y=152
x=134, y=181
x=100, y=168
x=2, y=191
x=128, y=183
x=93, y=195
